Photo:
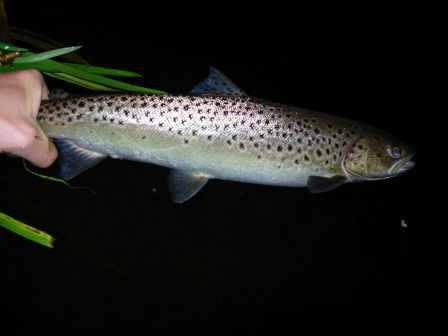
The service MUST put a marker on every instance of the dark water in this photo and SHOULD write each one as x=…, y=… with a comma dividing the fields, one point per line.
x=237, y=256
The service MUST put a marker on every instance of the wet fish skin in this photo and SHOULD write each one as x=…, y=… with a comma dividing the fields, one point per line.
x=229, y=137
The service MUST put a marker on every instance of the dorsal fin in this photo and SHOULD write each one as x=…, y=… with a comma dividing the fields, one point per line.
x=58, y=94
x=217, y=83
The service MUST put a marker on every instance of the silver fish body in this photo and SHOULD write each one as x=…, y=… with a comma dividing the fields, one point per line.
x=228, y=137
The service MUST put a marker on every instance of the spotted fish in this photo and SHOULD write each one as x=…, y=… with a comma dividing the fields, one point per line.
x=219, y=132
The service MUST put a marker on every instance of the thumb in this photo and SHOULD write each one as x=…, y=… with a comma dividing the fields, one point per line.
x=39, y=150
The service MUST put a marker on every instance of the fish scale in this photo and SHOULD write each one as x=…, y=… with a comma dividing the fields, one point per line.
x=233, y=137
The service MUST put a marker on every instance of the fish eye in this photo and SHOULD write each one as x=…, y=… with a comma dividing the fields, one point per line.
x=394, y=152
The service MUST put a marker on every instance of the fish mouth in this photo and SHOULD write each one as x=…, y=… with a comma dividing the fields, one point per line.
x=401, y=167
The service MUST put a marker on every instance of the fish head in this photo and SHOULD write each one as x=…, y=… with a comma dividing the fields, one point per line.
x=377, y=155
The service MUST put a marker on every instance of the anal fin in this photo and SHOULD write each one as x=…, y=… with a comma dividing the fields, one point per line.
x=184, y=184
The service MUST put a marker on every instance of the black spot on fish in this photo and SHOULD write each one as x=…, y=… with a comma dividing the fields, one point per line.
x=160, y=124
x=279, y=148
x=241, y=145
x=290, y=147
x=124, y=98
x=306, y=158
x=100, y=108
x=91, y=108
x=95, y=119
x=256, y=145
x=104, y=118
x=144, y=104
x=144, y=137
x=327, y=151
x=209, y=137
x=296, y=161
x=229, y=142
x=316, y=130
x=319, y=153
x=120, y=122
x=108, y=104
x=360, y=147
x=186, y=141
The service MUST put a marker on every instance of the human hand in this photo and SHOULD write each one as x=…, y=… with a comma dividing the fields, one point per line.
x=20, y=95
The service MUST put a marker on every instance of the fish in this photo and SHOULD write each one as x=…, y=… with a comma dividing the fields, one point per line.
x=218, y=131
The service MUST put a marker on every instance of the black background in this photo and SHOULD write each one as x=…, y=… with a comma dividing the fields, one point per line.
x=237, y=256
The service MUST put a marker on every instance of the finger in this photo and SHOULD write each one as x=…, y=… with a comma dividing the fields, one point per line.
x=40, y=151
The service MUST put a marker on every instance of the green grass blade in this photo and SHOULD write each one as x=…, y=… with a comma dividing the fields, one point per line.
x=54, y=66
x=54, y=179
x=78, y=81
x=32, y=58
x=103, y=71
x=26, y=231
x=9, y=47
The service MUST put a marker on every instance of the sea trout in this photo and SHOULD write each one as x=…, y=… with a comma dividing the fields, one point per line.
x=219, y=132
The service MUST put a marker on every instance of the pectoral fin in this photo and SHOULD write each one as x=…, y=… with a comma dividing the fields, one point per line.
x=317, y=184
x=73, y=160
x=184, y=184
